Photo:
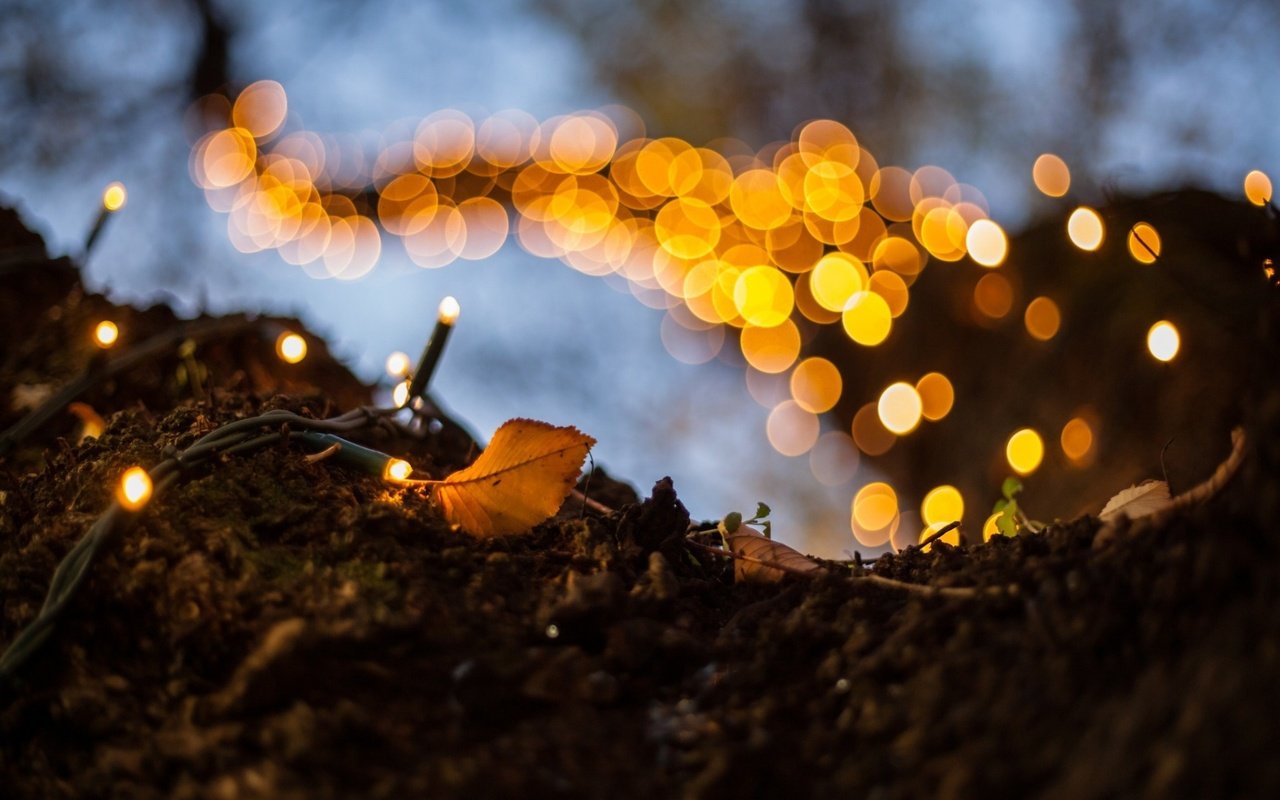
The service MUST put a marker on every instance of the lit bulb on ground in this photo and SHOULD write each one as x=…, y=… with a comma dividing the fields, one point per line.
x=448, y=311
x=105, y=334
x=135, y=488
x=113, y=199
x=398, y=469
x=291, y=347
x=114, y=196
x=446, y=316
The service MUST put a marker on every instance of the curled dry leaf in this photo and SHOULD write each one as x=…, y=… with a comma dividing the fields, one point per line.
x=1146, y=498
x=761, y=560
x=519, y=480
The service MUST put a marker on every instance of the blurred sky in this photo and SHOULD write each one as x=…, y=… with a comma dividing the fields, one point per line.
x=536, y=338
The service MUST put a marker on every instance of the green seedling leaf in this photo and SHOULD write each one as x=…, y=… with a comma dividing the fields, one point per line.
x=762, y=511
x=768, y=529
x=1007, y=522
x=730, y=524
x=1000, y=505
x=1010, y=487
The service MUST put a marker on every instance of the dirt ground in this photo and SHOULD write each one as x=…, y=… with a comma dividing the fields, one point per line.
x=273, y=627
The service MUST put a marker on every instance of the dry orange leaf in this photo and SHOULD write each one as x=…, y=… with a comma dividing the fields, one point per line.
x=761, y=560
x=519, y=480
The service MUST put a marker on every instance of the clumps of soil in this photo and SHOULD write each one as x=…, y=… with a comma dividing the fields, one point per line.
x=276, y=627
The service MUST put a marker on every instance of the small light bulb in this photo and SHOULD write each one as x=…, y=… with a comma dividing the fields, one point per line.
x=398, y=364
x=135, y=488
x=398, y=469
x=291, y=347
x=114, y=196
x=449, y=310
x=105, y=334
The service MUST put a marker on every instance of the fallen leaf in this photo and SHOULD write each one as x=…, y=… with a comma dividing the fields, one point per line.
x=91, y=425
x=519, y=480
x=1146, y=498
x=761, y=560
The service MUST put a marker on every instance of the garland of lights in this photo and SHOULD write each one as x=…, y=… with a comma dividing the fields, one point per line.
x=138, y=486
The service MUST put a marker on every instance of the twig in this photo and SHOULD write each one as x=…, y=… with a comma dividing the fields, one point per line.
x=964, y=592
x=1164, y=469
x=587, y=502
x=331, y=450
x=938, y=534
x=1196, y=494
x=1225, y=472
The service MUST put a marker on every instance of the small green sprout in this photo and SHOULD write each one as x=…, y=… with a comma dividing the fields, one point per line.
x=733, y=521
x=1013, y=520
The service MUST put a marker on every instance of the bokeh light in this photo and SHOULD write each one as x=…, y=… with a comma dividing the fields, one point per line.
x=867, y=318
x=1163, y=341
x=993, y=296
x=260, y=109
x=398, y=365
x=874, y=514
x=1257, y=187
x=1024, y=451
x=943, y=504
x=987, y=243
x=291, y=347
x=1042, y=319
x=1077, y=440
x=936, y=396
x=114, y=196
x=771, y=349
x=1051, y=175
x=792, y=430
x=816, y=385
x=834, y=459
x=900, y=408
x=869, y=433
x=1144, y=243
x=989, y=527
x=1085, y=229
x=135, y=488
x=105, y=334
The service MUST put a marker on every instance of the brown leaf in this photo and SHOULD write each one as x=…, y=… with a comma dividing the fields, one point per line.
x=519, y=480
x=1146, y=498
x=91, y=424
x=761, y=560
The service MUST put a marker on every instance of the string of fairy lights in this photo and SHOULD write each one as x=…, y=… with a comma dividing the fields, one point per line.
x=732, y=243
x=138, y=486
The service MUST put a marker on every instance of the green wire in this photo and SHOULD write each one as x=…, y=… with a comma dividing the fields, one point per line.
x=234, y=437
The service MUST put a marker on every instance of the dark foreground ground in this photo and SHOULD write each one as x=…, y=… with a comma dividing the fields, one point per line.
x=272, y=627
